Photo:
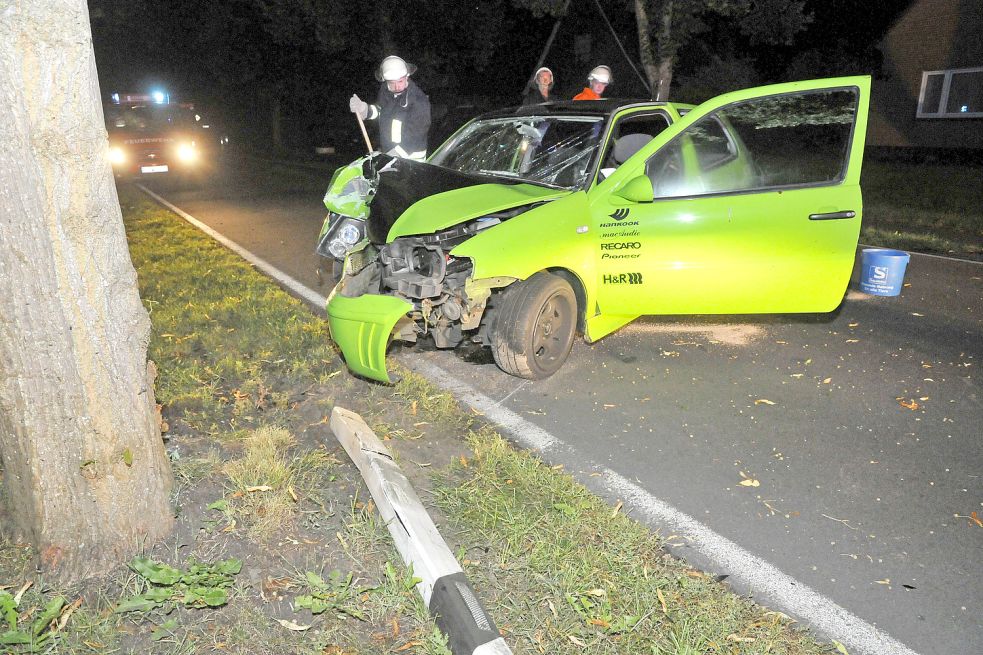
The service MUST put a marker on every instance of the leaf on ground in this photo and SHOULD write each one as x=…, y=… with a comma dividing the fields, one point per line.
x=165, y=629
x=261, y=487
x=290, y=625
x=576, y=641
x=662, y=601
x=840, y=648
x=128, y=457
x=763, y=401
x=908, y=404
x=408, y=645
x=617, y=508
x=750, y=482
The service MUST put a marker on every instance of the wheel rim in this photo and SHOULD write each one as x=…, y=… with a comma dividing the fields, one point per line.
x=553, y=329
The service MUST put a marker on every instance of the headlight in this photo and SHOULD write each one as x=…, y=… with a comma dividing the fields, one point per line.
x=117, y=155
x=343, y=233
x=186, y=152
x=349, y=234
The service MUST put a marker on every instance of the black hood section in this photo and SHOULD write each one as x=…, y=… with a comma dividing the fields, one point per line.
x=403, y=182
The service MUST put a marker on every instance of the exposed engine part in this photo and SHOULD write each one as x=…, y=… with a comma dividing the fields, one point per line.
x=413, y=269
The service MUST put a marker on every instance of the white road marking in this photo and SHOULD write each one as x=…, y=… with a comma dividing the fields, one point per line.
x=762, y=578
x=792, y=596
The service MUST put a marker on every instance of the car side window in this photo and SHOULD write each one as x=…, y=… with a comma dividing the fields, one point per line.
x=631, y=131
x=789, y=140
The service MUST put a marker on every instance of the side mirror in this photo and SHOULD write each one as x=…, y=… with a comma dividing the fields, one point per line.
x=638, y=189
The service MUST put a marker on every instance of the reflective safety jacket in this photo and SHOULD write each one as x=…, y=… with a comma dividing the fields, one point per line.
x=404, y=121
x=587, y=94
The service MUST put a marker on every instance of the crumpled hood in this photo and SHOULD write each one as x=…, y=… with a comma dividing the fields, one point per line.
x=419, y=198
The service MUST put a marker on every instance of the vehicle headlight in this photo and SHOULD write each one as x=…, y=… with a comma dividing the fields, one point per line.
x=117, y=155
x=343, y=233
x=349, y=234
x=186, y=152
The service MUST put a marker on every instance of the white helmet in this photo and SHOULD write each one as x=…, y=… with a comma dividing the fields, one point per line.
x=600, y=74
x=394, y=68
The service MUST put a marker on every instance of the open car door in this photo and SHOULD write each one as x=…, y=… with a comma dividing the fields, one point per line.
x=750, y=203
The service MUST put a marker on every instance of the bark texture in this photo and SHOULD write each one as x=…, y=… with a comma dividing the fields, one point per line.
x=657, y=58
x=85, y=472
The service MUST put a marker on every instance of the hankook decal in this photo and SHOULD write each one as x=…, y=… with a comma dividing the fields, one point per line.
x=618, y=224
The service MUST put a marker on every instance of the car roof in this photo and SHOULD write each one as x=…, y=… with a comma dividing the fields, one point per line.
x=601, y=108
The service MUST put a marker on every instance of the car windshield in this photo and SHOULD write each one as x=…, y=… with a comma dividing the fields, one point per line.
x=549, y=150
x=149, y=118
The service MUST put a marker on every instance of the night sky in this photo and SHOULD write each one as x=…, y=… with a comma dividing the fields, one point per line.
x=247, y=61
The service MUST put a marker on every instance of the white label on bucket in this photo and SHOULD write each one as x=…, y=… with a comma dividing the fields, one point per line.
x=880, y=272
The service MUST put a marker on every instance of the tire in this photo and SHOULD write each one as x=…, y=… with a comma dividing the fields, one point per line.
x=534, y=326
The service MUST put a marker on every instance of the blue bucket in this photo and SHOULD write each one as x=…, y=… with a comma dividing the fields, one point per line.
x=882, y=271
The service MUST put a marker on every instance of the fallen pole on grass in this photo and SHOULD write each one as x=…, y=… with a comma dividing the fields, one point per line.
x=445, y=589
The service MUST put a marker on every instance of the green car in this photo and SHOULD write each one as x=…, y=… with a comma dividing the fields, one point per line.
x=531, y=225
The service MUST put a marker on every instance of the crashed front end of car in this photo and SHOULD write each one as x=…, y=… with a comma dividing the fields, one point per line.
x=405, y=289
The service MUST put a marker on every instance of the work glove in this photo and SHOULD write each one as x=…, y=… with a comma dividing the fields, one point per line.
x=359, y=107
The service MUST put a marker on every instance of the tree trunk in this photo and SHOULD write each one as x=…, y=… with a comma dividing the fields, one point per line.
x=658, y=58
x=85, y=471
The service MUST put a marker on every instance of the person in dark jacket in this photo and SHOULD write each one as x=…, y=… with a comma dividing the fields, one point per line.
x=539, y=92
x=403, y=110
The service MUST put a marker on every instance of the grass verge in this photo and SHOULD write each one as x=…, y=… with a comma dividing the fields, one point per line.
x=932, y=208
x=247, y=378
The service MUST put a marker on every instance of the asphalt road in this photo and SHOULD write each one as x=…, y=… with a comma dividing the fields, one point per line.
x=843, y=449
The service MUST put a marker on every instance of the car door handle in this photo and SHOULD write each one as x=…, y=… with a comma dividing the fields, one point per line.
x=832, y=216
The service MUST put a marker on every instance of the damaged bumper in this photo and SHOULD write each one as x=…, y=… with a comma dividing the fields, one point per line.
x=362, y=327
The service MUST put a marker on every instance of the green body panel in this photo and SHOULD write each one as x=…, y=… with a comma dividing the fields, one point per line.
x=444, y=210
x=548, y=237
x=748, y=252
x=344, y=201
x=362, y=326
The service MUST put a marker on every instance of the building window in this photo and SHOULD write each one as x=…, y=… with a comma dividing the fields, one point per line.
x=955, y=93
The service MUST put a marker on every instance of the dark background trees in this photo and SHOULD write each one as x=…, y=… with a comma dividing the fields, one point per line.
x=279, y=72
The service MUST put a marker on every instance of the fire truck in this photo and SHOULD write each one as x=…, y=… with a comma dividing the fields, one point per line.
x=150, y=135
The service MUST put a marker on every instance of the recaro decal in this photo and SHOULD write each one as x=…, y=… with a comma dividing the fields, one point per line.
x=622, y=245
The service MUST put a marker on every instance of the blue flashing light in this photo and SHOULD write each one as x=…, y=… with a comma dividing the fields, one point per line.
x=159, y=97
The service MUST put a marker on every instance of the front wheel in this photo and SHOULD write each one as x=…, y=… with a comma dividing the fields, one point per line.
x=534, y=326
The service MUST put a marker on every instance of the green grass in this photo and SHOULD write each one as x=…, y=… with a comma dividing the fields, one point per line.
x=923, y=207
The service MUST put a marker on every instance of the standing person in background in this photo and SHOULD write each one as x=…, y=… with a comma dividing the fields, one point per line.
x=540, y=91
x=403, y=110
x=597, y=82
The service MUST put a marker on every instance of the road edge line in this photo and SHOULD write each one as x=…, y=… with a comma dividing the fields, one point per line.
x=755, y=573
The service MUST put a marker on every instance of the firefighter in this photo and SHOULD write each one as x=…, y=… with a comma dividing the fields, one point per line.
x=597, y=82
x=540, y=91
x=403, y=110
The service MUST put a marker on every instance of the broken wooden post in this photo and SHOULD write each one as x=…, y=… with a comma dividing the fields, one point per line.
x=445, y=589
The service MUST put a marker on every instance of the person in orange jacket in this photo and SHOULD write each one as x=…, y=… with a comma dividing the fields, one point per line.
x=597, y=82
